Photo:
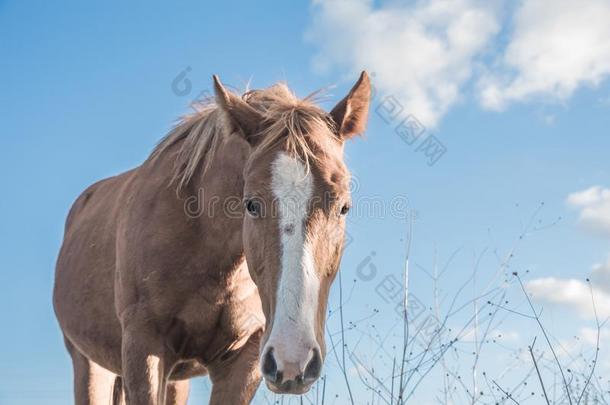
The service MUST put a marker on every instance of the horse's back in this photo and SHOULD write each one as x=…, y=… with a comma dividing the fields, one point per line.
x=84, y=278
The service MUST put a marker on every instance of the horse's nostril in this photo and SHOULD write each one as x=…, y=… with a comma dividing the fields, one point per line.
x=270, y=366
x=314, y=367
x=299, y=379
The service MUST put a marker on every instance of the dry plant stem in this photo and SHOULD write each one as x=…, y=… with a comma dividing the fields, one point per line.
x=442, y=352
x=375, y=379
x=598, y=325
x=548, y=341
x=405, y=318
x=476, y=336
x=478, y=344
x=392, y=388
x=435, y=359
x=531, y=350
x=437, y=313
x=508, y=395
x=349, y=390
x=323, y=391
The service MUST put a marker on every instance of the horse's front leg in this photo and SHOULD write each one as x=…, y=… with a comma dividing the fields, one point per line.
x=235, y=381
x=145, y=365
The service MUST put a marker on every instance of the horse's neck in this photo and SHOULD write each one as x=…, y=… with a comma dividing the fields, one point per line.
x=205, y=215
x=223, y=178
x=220, y=192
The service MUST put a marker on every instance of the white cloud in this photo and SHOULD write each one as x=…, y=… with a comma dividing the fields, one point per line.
x=579, y=350
x=594, y=205
x=429, y=53
x=556, y=46
x=590, y=196
x=421, y=52
x=570, y=293
x=589, y=336
x=600, y=276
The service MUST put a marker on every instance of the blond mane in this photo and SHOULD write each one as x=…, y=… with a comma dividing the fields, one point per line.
x=289, y=119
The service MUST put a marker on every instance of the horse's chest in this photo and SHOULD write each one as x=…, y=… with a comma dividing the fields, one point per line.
x=209, y=324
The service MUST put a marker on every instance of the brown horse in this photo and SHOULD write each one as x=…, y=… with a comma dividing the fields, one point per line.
x=218, y=250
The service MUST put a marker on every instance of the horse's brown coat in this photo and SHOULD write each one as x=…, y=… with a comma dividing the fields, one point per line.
x=152, y=292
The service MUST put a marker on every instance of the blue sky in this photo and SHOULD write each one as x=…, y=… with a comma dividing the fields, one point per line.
x=87, y=92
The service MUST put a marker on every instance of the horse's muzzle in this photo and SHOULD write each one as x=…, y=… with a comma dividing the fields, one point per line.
x=291, y=378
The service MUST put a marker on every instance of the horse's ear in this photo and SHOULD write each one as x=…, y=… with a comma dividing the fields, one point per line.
x=245, y=118
x=351, y=113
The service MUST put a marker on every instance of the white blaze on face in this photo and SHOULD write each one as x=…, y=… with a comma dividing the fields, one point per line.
x=297, y=293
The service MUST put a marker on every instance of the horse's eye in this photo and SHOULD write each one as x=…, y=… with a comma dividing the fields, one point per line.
x=253, y=207
x=345, y=209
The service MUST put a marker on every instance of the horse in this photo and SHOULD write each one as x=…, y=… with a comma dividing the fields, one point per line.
x=213, y=257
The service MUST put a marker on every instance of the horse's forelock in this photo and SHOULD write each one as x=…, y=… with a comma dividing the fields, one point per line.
x=287, y=119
